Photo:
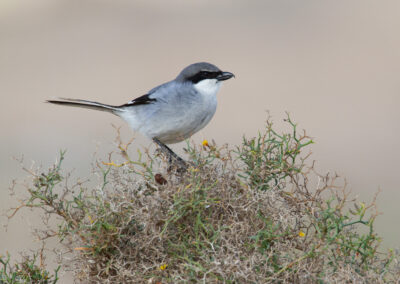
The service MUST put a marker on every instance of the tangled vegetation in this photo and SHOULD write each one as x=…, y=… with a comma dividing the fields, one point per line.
x=26, y=271
x=256, y=213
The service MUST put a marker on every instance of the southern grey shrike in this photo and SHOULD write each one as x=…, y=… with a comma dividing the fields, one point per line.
x=171, y=112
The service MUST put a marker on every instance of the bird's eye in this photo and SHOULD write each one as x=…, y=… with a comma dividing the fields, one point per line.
x=202, y=75
x=209, y=74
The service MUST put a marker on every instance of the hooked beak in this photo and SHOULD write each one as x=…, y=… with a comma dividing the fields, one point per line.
x=225, y=76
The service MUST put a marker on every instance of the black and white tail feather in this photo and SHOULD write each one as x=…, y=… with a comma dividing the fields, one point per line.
x=86, y=104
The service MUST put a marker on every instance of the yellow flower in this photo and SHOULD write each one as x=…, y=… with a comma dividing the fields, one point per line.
x=205, y=143
x=164, y=266
x=90, y=219
x=301, y=234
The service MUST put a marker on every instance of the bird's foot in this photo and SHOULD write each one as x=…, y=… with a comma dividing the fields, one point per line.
x=174, y=160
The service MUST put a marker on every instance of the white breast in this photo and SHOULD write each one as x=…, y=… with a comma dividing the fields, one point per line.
x=208, y=90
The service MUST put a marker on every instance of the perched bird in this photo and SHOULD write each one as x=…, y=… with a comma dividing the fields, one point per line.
x=172, y=111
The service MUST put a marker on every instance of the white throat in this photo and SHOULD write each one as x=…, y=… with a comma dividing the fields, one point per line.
x=208, y=87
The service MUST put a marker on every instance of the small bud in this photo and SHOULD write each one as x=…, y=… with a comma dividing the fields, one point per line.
x=160, y=179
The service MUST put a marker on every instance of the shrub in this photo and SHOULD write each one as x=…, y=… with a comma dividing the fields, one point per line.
x=257, y=213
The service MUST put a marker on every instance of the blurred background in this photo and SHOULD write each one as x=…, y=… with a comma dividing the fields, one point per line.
x=334, y=65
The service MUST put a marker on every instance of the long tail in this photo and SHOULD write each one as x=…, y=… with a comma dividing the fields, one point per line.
x=86, y=104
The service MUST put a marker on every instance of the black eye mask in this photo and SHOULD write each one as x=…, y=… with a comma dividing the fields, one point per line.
x=202, y=75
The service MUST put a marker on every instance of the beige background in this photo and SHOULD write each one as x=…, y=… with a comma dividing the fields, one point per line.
x=334, y=65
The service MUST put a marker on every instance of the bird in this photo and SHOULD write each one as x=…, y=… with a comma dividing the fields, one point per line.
x=170, y=112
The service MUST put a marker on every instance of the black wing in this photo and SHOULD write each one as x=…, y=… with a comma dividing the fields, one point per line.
x=143, y=100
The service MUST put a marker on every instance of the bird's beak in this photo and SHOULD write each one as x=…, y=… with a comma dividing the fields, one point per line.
x=225, y=76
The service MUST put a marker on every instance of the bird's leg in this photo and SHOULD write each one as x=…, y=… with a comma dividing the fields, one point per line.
x=172, y=157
